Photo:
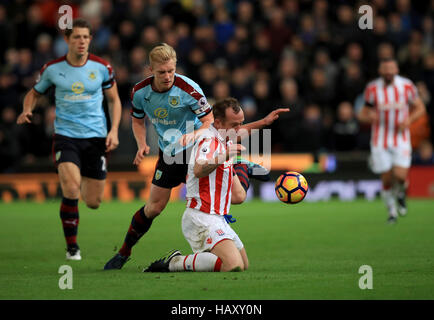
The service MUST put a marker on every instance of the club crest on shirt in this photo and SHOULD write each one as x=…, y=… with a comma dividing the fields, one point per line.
x=158, y=174
x=92, y=75
x=174, y=101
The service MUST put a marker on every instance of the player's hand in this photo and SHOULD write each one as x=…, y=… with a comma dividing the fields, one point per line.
x=404, y=125
x=25, y=117
x=112, y=141
x=140, y=155
x=186, y=139
x=274, y=115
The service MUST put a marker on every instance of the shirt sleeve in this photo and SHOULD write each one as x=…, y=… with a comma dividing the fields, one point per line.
x=369, y=96
x=412, y=93
x=206, y=148
x=108, y=77
x=199, y=104
x=43, y=81
x=136, y=109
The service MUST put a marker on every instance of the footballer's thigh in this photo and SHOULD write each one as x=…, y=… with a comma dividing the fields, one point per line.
x=92, y=191
x=243, y=254
x=400, y=173
x=70, y=179
x=158, y=199
x=231, y=257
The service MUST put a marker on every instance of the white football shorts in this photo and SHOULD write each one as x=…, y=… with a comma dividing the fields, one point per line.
x=382, y=160
x=203, y=231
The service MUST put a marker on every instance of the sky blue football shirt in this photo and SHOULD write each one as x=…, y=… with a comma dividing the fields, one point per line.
x=173, y=113
x=78, y=95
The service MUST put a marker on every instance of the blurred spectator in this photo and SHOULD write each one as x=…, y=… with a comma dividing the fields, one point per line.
x=288, y=126
x=424, y=155
x=277, y=32
x=9, y=143
x=351, y=83
x=311, y=130
x=44, y=51
x=241, y=83
x=345, y=129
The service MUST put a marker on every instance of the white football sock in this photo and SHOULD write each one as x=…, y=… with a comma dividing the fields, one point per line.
x=201, y=261
x=389, y=201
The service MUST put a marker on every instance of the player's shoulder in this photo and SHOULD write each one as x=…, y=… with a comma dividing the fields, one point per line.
x=100, y=61
x=52, y=64
x=141, y=86
x=206, y=134
x=403, y=80
x=373, y=83
x=188, y=86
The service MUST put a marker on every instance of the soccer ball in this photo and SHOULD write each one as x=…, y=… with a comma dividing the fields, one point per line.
x=291, y=187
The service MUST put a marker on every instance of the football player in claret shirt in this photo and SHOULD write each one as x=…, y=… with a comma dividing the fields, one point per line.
x=172, y=102
x=391, y=105
x=81, y=139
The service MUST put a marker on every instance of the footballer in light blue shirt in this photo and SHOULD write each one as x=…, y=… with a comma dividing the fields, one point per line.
x=81, y=139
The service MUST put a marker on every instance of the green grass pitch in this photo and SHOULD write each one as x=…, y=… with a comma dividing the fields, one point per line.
x=303, y=251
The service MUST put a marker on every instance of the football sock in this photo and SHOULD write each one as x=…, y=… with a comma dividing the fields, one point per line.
x=140, y=224
x=389, y=201
x=242, y=173
x=400, y=189
x=70, y=219
x=201, y=261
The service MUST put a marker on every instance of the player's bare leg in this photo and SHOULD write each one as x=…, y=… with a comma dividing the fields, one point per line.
x=400, y=175
x=387, y=195
x=230, y=256
x=158, y=199
x=92, y=191
x=244, y=257
x=223, y=257
x=70, y=179
x=140, y=224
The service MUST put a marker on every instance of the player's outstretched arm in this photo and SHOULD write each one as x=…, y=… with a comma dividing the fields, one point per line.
x=190, y=137
x=29, y=105
x=139, y=131
x=115, y=110
x=264, y=122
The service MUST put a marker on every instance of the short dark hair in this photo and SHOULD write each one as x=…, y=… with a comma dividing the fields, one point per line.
x=219, y=108
x=78, y=23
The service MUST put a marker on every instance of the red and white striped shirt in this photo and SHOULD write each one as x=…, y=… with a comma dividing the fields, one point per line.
x=210, y=194
x=392, y=105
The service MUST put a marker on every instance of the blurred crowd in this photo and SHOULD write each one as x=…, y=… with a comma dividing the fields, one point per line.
x=308, y=55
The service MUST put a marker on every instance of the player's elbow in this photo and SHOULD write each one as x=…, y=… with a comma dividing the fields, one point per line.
x=238, y=197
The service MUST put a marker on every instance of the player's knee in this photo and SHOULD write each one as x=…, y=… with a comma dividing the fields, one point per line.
x=93, y=203
x=233, y=265
x=152, y=210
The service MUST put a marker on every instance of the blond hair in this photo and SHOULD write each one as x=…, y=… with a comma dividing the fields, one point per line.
x=162, y=53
